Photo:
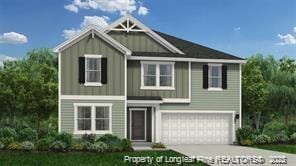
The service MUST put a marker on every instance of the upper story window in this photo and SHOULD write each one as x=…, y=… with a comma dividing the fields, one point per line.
x=157, y=75
x=92, y=118
x=215, y=76
x=93, y=70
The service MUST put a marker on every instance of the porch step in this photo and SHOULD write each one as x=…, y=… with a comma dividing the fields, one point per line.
x=140, y=146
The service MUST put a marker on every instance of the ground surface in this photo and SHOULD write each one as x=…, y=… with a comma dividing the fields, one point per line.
x=78, y=158
x=281, y=148
x=203, y=151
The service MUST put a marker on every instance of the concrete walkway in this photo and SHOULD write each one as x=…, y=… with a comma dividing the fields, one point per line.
x=216, y=154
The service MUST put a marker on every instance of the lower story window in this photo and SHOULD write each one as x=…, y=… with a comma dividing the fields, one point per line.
x=92, y=118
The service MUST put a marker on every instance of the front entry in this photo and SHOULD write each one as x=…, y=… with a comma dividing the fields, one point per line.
x=138, y=124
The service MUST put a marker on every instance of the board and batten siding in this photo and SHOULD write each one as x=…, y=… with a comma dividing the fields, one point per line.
x=69, y=68
x=181, y=82
x=138, y=41
x=67, y=115
x=202, y=99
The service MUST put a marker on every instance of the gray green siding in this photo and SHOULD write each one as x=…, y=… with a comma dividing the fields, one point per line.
x=138, y=41
x=67, y=115
x=69, y=68
x=181, y=82
x=202, y=99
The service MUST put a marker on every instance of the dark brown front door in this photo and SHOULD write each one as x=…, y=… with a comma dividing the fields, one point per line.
x=138, y=124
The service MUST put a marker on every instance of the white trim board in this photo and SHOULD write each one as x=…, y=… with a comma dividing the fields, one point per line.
x=59, y=91
x=92, y=30
x=144, y=101
x=185, y=59
x=145, y=116
x=145, y=29
x=90, y=97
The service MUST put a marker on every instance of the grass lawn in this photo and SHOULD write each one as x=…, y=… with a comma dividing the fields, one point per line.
x=78, y=158
x=279, y=147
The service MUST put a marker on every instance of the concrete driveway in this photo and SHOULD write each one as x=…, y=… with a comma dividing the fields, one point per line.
x=237, y=153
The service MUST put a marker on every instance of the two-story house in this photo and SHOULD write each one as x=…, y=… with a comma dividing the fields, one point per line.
x=145, y=85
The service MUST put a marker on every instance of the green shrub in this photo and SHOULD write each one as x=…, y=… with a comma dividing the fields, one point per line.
x=262, y=139
x=66, y=138
x=87, y=145
x=158, y=146
x=6, y=140
x=89, y=137
x=27, y=146
x=77, y=147
x=274, y=128
x=98, y=147
x=58, y=146
x=244, y=133
x=280, y=138
x=291, y=127
x=28, y=134
x=2, y=146
x=246, y=142
x=8, y=132
x=112, y=141
x=126, y=145
x=293, y=138
x=14, y=146
x=43, y=143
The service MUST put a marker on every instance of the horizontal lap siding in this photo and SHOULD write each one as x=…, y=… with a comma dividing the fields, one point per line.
x=69, y=68
x=138, y=41
x=202, y=99
x=181, y=82
x=67, y=115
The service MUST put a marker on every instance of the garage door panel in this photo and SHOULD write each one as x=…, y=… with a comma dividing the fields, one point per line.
x=196, y=128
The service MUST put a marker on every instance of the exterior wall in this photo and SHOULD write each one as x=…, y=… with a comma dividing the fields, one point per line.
x=181, y=82
x=69, y=68
x=202, y=99
x=138, y=41
x=67, y=115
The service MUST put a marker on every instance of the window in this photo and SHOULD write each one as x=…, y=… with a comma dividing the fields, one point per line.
x=157, y=75
x=93, y=70
x=215, y=76
x=84, y=118
x=92, y=118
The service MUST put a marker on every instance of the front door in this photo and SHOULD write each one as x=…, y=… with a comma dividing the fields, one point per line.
x=138, y=124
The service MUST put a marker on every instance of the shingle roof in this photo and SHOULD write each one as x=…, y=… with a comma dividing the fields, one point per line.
x=144, y=98
x=191, y=50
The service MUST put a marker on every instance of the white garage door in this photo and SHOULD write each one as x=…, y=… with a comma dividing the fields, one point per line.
x=196, y=128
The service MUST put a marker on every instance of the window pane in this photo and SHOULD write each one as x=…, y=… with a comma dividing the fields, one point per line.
x=215, y=82
x=149, y=80
x=165, y=81
x=93, y=63
x=102, y=124
x=102, y=112
x=149, y=69
x=165, y=69
x=84, y=112
x=93, y=76
x=84, y=124
x=215, y=71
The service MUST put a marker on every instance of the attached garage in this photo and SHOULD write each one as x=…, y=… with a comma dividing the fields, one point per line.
x=197, y=127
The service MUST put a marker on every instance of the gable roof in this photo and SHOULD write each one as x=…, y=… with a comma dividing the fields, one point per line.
x=191, y=50
x=144, y=29
x=93, y=30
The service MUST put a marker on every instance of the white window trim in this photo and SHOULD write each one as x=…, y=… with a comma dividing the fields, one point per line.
x=157, y=87
x=92, y=83
x=209, y=77
x=93, y=119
